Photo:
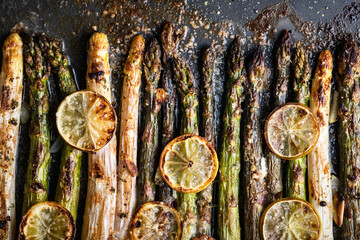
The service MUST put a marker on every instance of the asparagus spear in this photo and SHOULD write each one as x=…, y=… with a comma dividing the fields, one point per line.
x=68, y=187
x=319, y=177
x=100, y=203
x=11, y=84
x=184, y=80
x=37, y=71
x=229, y=180
x=282, y=71
x=205, y=197
x=255, y=165
x=348, y=72
x=127, y=170
x=150, y=138
x=296, y=169
x=169, y=43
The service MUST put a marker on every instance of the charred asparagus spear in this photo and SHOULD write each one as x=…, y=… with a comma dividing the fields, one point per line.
x=100, y=203
x=37, y=71
x=68, y=187
x=229, y=180
x=189, y=125
x=349, y=77
x=255, y=165
x=282, y=71
x=169, y=42
x=150, y=138
x=11, y=84
x=296, y=169
x=205, y=197
x=127, y=170
x=320, y=193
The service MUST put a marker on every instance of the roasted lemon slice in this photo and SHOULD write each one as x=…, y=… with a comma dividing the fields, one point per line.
x=189, y=164
x=156, y=220
x=291, y=131
x=290, y=219
x=47, y=221
x=86, y=120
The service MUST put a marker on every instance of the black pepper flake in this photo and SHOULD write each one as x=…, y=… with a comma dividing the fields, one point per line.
x=323, y=203
x=14, y=104
x=13, y=121
x=123, y=215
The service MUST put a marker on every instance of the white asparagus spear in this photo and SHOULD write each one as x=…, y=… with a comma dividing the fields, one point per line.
x=319, y=175
x=127, y=170
x=100, y=205
x=11, y=85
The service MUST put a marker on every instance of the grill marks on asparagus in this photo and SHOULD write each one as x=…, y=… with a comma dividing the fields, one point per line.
x=296, y=169
x=255, y=164
x=349, y=75
x=229, y=180
x=282, y=73
x=184, y=80
x=205, y=197
x=169, y=42
x=127, y=170
x=68, y=187
x=319, y=177
x=153, y=99
x=100, y=205
x=11, y=85
x=37, y=71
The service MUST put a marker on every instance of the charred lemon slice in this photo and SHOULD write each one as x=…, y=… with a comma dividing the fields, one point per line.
x=189, y=164
x=156, y=220
x=290, y=219
x=86, y=120
x=291, y=131
x=47, y=221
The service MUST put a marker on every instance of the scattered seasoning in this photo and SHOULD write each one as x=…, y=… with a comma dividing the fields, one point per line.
x=323, y=203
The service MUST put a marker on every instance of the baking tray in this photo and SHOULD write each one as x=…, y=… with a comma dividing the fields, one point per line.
x=320, y=24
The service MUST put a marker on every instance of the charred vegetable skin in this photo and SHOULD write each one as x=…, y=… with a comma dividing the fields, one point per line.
x=282, y=71
x=205, y=197
x=229, y=180
x=255, y=165
x=349, y=138
x=169, y=42
x=150, y=139
x=11, y=85
x=296, y=169
x=68, y=187
x=189, y=125
x=37, y=71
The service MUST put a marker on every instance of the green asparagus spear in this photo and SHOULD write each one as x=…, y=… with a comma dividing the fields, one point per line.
x=349, y=137
x=282, y=71
x=296, y=169
x=68, y=187
x=255, y=165
x=169, y=43
x=229, y=180
x=37, y=72
x=184, y=80
x=150, y=138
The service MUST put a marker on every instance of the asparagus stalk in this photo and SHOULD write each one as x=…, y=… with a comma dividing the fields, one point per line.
x=205, y=197
x=296, y=169
x=127, y=170
x=348, y=72
x=37, y=71
x=68, y=187
x=150, y=138
x=184, y=80
x=11, y=84
x=282, y=71
x=169, y=43
x=229, y=180
x=98, y=221
x=255, y=165
x=320, y=193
